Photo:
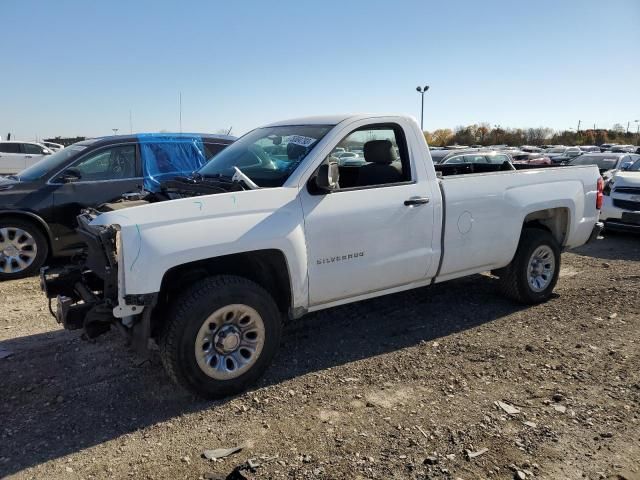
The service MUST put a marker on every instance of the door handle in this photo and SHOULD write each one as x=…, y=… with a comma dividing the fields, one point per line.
x=27, y=156
x=416, y=201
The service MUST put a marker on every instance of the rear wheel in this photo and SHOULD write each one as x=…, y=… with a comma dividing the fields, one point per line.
x=533, y=273
x=220, y=336
x=23, y=248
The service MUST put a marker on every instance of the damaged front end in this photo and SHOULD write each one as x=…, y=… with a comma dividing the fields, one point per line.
x=88, y=294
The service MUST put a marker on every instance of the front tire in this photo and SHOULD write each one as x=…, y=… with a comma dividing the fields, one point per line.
x=221, y=336
x=533, y=273
x=23, y=248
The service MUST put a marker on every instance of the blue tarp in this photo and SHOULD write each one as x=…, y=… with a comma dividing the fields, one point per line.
x=165, y=156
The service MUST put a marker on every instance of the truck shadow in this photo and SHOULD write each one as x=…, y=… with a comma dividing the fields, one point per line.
x=60, y=395
x=614, y=246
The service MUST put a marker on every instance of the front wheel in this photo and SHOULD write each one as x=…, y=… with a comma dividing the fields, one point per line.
x=23, y=248
x=221, y=336
x=533, y=273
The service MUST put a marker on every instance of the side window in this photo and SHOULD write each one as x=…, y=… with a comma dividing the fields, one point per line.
x=31, y=149
x=455, y=160
x=108, y=164
x=210, y=149
x=9, y=148
x=475, y=159
x=371, y=156
x=498, y=159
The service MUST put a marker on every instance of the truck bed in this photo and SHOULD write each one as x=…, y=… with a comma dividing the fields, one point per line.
x=484, y=213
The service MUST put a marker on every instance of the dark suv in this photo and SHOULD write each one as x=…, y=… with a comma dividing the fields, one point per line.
x=39, y=205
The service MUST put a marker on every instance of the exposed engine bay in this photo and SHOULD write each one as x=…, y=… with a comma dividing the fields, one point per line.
x=86, y=291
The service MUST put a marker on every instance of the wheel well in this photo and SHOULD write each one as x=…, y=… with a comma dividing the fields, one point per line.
x=554, y=220
x=267, y=268
x=36, y=221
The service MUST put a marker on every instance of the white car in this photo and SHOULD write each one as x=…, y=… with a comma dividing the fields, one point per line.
x=212, y=276
x=15, y=156
x=621, y=206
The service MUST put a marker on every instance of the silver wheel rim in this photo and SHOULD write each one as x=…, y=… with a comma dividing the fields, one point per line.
x=18, y=250
x=542, y=266
x=229, y=341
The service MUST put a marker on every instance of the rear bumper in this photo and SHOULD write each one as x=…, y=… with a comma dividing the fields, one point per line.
x=620, y=226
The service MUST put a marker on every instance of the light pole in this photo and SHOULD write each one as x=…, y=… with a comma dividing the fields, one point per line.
x=422, y=91
x=115, y=130
x=637, y=131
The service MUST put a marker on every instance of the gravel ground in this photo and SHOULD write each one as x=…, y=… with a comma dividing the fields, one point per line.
x=398, y=387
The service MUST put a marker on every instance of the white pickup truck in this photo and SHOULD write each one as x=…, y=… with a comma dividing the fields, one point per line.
x=273, y=227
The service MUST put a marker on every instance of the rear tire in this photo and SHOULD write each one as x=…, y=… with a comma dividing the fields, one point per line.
x=533, y=273
x=220, y=337
x=23, y=248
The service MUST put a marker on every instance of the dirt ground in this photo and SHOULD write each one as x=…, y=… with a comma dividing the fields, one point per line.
x=398, y=387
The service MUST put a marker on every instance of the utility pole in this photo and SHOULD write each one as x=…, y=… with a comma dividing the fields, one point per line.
x=180, y=102
x=422, y=91
x=579, y=121
x=130, y=123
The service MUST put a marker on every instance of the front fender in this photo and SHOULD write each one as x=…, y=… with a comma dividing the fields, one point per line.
x=158, y=237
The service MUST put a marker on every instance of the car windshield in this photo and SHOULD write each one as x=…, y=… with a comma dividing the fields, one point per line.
x=635, y=167
x=269, y=155
x=603, y=163
x=49, y=164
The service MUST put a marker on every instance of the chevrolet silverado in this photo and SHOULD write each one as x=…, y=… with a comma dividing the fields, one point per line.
x=274, y=227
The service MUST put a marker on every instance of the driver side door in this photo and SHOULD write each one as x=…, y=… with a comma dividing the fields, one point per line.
x=99, y=177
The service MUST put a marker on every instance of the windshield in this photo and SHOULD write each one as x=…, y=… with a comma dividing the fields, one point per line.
x=635, y=167
x=556, y=150
x=49, y=163
x=603, y=163
x=268, y=155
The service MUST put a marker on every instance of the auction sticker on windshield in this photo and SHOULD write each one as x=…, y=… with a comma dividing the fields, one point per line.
x=300, y=140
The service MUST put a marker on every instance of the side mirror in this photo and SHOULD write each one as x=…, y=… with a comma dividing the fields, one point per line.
x=70, y=175
x=46, y=151
x=328, y=177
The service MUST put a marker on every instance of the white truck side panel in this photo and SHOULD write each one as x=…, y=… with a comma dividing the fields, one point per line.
x=485, y=213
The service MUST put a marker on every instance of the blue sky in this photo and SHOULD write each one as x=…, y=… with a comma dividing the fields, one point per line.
x=78, y=67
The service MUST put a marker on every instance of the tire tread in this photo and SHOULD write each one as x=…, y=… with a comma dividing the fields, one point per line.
x=179, y=316
x=511, y=284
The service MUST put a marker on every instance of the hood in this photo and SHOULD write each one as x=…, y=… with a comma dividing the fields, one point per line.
x=246, y=202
